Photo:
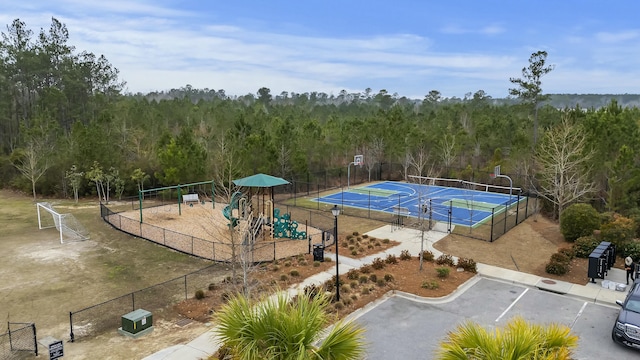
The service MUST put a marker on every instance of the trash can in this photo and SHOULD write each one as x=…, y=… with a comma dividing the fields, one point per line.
x=318, y=252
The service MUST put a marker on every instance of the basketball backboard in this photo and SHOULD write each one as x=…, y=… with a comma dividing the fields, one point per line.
x=358, y=160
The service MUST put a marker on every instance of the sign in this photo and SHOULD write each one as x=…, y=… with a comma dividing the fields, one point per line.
x=56, y=350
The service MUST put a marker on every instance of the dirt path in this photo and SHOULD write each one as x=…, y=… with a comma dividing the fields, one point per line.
x=526, y=248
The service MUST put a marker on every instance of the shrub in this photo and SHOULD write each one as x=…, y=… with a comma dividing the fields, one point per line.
x=557, y=268
x=354, y=252
x=353, y=274
x=468, y=265
x=391, y=259
x=405, y=255
x=213, y=287
x=338, y=306
x=363, y=279
x=294, y=273
x=225, y=296
x=302, y=262
x=570, y=252
x=381, y=282
x=388, y=277
x=559, y=258
x=618, y=231
x=351, y=247
x=365, y=236
x=385, y=241
x=584, y=246
x=443, y=272
x=431, y=285
x=427, y=255
x=284, y=277
x=365, y=269
x=378, y=264
x=370, y=246
x=354, y=284
x=373, y=278
x=311, y=290
x=378, y=243
x=359, y=239
x=347, y=301
x=199, y=294
x=275, y=267
x=364, y=291
x=630, y=248
x=354, y=297
x=328, y=259
x=445, y=259
x=345, y=289
x=578, y=220
x=225, y=352
x=344, y=244
x=287, y=263
x=316, y=264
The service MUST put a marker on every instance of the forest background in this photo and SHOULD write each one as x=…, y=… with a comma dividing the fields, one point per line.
x=68, y=129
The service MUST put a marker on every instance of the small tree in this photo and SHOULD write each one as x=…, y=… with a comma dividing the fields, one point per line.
x=579, y=220
x=96, y=175
x=75, y=179
x=140, y=177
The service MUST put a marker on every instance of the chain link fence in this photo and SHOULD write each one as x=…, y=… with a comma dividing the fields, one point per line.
x=106, y=316
x=19, y=341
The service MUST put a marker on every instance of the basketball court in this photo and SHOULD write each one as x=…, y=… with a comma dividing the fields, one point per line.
x=465, y=205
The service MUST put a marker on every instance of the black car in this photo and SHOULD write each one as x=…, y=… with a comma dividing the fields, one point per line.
x=626, y=330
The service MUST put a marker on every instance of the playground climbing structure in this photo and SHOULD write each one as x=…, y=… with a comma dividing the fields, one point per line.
x=284, y=227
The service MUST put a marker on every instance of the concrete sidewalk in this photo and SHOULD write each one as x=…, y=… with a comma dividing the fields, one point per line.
x=410, y=239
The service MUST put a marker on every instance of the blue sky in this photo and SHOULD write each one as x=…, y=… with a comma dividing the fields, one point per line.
x=405, y=47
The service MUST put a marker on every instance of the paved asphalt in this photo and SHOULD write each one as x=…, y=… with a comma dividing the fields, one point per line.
x=402, y=326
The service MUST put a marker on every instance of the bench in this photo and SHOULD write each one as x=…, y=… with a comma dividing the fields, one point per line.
x=187, y=198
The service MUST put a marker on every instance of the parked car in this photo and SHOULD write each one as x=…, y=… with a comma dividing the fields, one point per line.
x=626, y=330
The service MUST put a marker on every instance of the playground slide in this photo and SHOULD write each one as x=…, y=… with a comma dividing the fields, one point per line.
x=227, y=211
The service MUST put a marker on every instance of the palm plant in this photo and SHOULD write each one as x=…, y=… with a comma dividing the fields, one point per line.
x=283, y=328
x=519, y=340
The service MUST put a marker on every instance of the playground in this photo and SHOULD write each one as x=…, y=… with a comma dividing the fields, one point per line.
x=192, y=223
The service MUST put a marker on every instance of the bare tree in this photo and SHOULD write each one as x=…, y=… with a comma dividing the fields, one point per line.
x=373, y=154
x=562, y=161
x=418, y=160
x=448, y=150
x=32, y=159
x=284, y=157
x=225, y=168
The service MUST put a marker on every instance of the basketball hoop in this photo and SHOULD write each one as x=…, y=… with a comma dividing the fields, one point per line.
x=358, y=160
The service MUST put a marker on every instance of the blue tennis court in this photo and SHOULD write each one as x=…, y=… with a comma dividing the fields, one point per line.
x=460, y=206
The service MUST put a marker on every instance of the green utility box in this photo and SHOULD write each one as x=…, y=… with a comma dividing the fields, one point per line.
x=137, y=321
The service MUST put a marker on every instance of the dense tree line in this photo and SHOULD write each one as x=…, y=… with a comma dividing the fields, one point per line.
x=67, y=128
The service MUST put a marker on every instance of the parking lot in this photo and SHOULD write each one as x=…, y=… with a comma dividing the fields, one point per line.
x=402, y=328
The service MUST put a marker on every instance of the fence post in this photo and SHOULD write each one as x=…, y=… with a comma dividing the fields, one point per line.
x=491, y=235
x=517, y=208
x=35, y=338
x=506, y=212
x=9, y=332
x=274, y=251
x=71, y=326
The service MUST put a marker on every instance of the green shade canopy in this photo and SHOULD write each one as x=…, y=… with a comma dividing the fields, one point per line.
x=260, y=181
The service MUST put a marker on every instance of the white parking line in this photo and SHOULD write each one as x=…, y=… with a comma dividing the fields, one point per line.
x=578, y=315
x=512, y=304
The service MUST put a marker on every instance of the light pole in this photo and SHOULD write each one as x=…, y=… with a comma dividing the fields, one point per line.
x=336, y=211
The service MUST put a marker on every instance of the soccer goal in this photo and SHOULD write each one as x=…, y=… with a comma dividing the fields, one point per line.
x=69, y=227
